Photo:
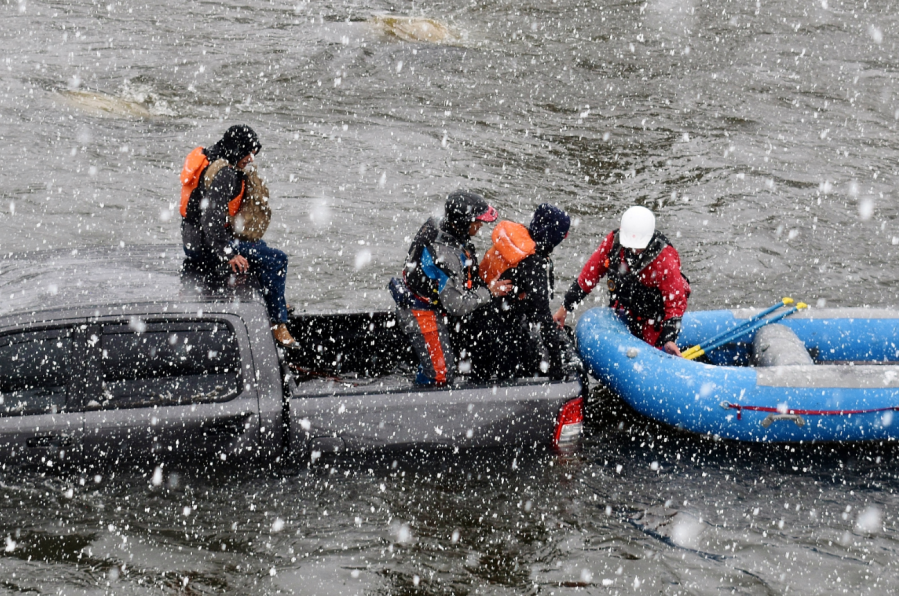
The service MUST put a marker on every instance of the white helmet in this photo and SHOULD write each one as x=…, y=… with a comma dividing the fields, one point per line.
x=637, y=227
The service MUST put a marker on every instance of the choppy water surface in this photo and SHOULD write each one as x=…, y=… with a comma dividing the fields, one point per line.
x=763, y=134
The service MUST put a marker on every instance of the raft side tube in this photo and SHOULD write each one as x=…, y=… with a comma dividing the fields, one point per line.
x=743, y=403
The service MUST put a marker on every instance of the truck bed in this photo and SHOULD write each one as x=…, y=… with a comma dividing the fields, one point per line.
x=351, y=388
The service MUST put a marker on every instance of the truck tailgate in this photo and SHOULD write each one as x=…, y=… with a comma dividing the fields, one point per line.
x=330, y=415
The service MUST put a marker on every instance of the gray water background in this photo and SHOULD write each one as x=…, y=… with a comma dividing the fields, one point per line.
x=763, y=134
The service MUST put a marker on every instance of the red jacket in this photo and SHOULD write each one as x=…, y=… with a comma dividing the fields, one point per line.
x=663, y=273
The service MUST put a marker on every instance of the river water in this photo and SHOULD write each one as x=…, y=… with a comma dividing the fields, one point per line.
x=763, y=134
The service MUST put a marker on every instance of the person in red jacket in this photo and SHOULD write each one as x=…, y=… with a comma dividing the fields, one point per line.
x=646, y=286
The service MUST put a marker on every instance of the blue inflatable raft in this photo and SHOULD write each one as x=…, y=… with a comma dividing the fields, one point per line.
x=836, y=377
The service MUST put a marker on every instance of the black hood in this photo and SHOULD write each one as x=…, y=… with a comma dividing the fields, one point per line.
x=549, y=227
x=238, y=141
x=462, y=208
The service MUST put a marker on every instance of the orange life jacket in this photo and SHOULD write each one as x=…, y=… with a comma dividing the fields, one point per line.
x=194, y=166
x=512, y=243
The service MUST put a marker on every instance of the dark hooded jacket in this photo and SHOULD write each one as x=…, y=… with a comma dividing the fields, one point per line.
x=527, y=306
x=206, y=229
x=533, y=278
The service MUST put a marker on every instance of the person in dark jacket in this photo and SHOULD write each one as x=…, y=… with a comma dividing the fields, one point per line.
x=525, y=340
x=440, y=284
x=214, y=185
x=646, y=286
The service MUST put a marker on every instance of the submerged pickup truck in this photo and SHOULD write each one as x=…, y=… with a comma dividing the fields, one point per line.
x=110, y=356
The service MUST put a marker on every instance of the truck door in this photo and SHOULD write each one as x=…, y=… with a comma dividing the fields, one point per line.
x=40, y=424
x=172, y=389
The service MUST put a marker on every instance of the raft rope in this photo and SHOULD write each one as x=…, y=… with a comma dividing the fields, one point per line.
x=793, y=412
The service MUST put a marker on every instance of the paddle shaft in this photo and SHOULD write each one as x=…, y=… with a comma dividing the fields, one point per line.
x=743, y=331
x=728, y=332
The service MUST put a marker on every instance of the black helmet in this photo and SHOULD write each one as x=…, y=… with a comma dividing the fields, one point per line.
x=463, y=208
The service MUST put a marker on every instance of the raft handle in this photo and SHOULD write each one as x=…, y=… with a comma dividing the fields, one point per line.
x=772, y=418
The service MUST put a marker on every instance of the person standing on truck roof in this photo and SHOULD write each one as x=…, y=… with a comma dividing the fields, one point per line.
x=646, y=286
x=523, y=255
x=440, y=283
x=225, y=211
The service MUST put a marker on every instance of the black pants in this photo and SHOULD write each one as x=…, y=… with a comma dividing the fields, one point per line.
x=502, y=343
x=497, y=343
x=205, y=271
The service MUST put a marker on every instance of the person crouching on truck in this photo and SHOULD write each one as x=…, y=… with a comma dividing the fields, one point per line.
x=225, y=212
x=523, y=255
x=440, y=284
x=646, y=286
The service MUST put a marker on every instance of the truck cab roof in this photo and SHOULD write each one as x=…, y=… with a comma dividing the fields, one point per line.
x=42, y=280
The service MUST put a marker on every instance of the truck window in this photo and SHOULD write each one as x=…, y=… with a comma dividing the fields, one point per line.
x=34, y=372
x=172, y=363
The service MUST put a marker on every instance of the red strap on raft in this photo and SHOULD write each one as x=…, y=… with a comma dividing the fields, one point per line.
x=791, y=411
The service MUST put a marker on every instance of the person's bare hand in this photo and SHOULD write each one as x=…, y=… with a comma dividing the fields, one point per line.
x=560, y=315
x=499, y=287
x=239, y=264
x=671, y=348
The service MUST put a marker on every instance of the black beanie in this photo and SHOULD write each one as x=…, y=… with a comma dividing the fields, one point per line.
x=239, y=141
x=549, y=225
